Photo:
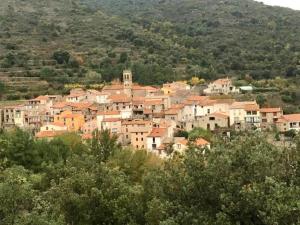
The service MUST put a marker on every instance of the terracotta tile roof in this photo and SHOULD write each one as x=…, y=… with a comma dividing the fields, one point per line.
x=154, y=102
x=69, y=114
x=140, y=129
x=135, y=122
x=222, y=81
x=49, y=134
x=252, y=105
x=108, y=113
x=184, y=142
x=59, y=105
x=77, y=105
x=177, y=106
x=146, y=88
x=94, y=92
x=80, y=105
x=172, y=111
x=111, y=120
x=119, y=98
x=158, y=132
x=201, y=142
x=291, y=118
x=138, y=100
x=270, y=110
x=197, y=98
x=207, y=102
x=220, y=114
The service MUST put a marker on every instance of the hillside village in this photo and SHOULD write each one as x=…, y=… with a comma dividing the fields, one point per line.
x=145, y=117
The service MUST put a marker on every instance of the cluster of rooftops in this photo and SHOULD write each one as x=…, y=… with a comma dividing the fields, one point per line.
x=145, y=117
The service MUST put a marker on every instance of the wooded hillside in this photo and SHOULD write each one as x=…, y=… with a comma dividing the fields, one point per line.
x=161, y=40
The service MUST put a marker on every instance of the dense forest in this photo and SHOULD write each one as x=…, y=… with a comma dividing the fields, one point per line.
x=90, y=41
x=244, y=180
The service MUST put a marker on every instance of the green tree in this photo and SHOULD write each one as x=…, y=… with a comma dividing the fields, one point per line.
x=2, y=89
x=123, y=57
x=61, y=57
x=16, y=195
x=104, y=144
x=261, y=100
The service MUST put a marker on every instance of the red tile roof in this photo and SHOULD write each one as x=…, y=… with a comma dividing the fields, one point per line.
x=270, y=110
x=172, y=111
x=80, y=105
x=154, y=102
x=290, y=118
x=220, y=114
x=59, y=105
x=111, y=120
x=245, y=105
x=119, y=98
x=135, y=122
x=222, y=81
x=158, y=132
x=41, y=97
x=201, y=142
x=184, y=142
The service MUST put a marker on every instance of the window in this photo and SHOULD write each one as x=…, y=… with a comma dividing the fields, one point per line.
x=153, y=140
x=142, y=139
x=208, y=111
x=136, y=139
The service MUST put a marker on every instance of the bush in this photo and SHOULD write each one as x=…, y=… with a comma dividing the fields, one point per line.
x=61, y=57
x=13, y=97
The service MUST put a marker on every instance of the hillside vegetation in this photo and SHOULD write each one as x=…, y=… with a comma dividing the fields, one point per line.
x=63, y=181
x=90, y=41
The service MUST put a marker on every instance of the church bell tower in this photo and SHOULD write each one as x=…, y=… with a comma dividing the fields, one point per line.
x=127, y=82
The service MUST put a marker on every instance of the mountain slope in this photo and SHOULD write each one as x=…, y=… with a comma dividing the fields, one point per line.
x=161, y=40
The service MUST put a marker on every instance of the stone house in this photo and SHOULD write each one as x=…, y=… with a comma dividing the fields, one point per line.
x=214, y=121
x=288, y=122
x=221, y=86
x=269, y=117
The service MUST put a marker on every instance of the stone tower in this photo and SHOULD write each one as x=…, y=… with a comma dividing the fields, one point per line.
x=127, y=82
